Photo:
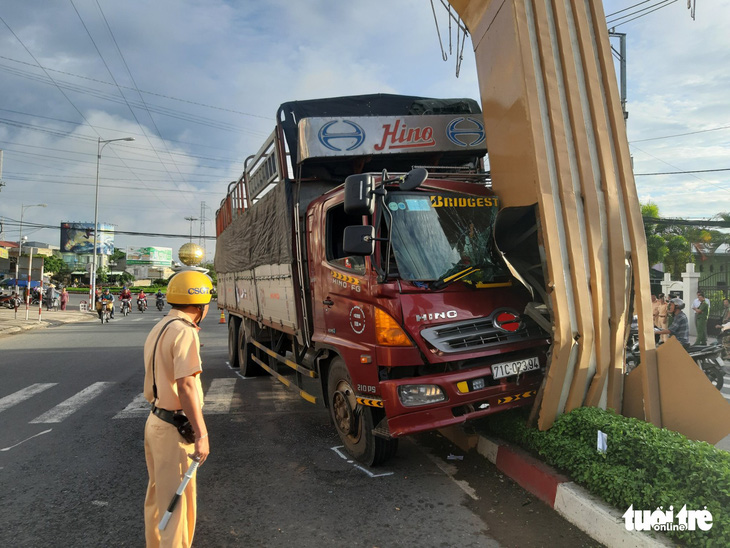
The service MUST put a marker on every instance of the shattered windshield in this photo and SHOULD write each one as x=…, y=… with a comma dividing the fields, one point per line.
x=444, y=237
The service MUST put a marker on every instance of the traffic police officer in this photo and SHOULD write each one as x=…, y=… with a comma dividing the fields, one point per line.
x=172, y=385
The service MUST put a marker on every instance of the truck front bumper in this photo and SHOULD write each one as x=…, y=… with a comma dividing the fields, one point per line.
x=459, y=406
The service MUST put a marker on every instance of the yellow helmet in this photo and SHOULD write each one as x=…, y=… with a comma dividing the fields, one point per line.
x=189, y=287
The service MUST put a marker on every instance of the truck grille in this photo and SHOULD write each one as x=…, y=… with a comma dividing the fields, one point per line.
x=480, y=333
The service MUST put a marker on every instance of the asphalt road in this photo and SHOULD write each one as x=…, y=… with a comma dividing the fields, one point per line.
x=72, y=469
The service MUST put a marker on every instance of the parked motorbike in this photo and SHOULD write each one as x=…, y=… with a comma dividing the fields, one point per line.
x=10, y=301
x=126, y=306
x=724, y=340
x=141, y=305
x=160, y=302
x=708, y=357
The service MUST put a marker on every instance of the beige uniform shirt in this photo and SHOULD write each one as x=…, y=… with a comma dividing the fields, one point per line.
x=177, y=356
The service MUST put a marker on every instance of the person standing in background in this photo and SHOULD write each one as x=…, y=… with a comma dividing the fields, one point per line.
x=701, y=313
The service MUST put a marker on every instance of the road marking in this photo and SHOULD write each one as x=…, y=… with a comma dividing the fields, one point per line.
x=217, y=400
x=21, y=395
x=219, y=397
x=71, y=405
x=138, y=407
x=30, y=438
x=355, y=465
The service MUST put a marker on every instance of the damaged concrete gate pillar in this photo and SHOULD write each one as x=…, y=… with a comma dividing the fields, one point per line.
x=571, y=223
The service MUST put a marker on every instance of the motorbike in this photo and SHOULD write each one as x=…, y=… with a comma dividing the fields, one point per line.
x=10, y=301
x=126, y=307
x=141, y=305
x=724, y=339
x=708, y=357
x=104, y=308
x=160, y=302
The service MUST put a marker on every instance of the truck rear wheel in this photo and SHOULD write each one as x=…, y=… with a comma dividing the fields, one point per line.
x=249, y=368
x=234, y=325
x=354, y=422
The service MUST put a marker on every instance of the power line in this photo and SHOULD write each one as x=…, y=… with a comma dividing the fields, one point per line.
x=686, y=222
x=163, y=96
x=642, y=15
x=679, y=134
x=38, y=226
x=627, y=9
x=682, y=172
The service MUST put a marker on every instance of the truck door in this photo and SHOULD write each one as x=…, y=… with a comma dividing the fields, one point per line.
x=341, y=280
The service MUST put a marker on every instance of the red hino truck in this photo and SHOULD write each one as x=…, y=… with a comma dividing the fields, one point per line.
x=357, y=264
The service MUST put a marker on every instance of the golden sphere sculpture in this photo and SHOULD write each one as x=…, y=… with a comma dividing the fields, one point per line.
x=191, y=254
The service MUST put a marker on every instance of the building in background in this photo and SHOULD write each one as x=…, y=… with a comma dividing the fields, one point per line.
x=148, y=263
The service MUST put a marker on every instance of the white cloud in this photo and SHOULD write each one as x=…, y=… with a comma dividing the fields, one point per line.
x=248, y=57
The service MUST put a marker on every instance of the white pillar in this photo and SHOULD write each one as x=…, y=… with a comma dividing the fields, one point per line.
x=691, y=283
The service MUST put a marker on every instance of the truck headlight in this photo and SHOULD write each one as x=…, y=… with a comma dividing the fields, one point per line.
x=412, y=395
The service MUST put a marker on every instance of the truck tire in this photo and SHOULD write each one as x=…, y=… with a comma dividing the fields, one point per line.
x=248, y=367
x=355, y=423
x=234, y=325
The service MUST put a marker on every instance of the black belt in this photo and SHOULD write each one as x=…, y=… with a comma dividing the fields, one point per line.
x=164, y=414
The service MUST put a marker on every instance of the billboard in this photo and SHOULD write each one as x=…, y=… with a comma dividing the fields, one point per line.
x=79, y=238
x=155, y=256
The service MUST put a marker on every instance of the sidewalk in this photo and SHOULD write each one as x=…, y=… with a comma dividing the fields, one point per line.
x=10, y=322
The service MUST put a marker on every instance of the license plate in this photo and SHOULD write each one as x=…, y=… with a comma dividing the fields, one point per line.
x=507, y=369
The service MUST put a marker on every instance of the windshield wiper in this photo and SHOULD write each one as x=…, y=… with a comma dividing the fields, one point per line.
x=449, y=278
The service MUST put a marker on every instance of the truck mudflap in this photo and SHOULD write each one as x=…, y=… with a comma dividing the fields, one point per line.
x=459, y=405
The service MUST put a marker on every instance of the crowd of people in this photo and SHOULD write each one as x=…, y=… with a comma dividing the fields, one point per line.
x=667, y=312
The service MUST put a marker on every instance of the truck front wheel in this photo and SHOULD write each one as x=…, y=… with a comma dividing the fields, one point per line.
x=354, y=422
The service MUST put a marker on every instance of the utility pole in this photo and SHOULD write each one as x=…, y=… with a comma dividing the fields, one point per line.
x=191, y=219
x=201, y=238
x=1, y=170
x=622, y=66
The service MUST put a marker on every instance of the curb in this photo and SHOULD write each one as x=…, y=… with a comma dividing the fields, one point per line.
x=45, y=323
x=591, y=515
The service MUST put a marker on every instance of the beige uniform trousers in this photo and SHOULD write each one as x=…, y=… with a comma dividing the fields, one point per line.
x=167, y=461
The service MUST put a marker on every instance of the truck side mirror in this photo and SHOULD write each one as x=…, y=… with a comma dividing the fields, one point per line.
x=359, y=240
x=413, y=179
x=359, y=195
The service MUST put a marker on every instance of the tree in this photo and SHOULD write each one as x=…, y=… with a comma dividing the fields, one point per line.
x=117, y=255
x=655, y=242
x=102, y=275
x=656, y=247
x=678, y=255
x=212, y=273
x=124, y=278
x=55, y=265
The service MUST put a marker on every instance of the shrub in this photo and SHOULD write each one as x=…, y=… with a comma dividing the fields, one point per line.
x=646, y=466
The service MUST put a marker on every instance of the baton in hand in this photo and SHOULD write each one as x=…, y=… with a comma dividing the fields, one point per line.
x=183, y=484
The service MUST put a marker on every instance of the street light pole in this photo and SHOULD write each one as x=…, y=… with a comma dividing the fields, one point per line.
x=20, y=240
x=99, y=147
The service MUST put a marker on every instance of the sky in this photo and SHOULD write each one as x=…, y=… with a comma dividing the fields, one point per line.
x=197, y=84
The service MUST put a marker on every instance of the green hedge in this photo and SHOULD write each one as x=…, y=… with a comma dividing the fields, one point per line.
x=646, y=466
x=116, y=290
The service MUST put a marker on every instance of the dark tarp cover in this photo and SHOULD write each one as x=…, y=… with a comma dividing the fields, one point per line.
x=262, y=235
